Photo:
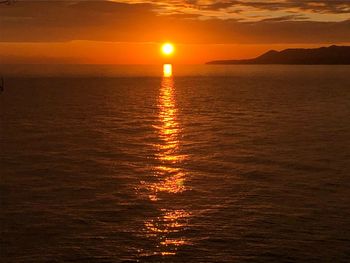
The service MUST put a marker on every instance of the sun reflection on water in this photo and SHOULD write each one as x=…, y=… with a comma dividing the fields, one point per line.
x=170, y=176
x=167, y=70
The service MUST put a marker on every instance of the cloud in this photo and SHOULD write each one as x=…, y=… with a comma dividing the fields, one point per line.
x=195, y=21
x=230, y=8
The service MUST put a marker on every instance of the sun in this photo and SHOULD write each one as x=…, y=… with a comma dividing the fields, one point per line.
x=168, y=49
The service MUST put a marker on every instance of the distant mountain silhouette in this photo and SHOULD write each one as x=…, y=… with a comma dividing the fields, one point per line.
x=333, y=55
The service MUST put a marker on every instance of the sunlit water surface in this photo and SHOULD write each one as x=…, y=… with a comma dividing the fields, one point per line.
x=201, y=164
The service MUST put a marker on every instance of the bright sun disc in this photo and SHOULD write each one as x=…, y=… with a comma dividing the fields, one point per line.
x=167, y=49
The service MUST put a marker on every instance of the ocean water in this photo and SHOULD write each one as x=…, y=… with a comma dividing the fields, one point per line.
x=211, y=164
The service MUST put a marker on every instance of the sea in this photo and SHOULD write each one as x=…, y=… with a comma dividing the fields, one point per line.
x=181, y=163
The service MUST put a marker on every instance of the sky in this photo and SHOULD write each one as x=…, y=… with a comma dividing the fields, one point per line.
x=131, y=32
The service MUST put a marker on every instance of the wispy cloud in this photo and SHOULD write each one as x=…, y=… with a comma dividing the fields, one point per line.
x=254, y=10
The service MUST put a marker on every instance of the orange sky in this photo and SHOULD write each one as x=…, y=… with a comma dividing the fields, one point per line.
x=131, y=32
x=94, y=52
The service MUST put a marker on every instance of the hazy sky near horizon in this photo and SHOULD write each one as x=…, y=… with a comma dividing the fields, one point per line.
x=130, y=32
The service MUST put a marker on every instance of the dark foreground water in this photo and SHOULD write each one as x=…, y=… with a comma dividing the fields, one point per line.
x=215, y=164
